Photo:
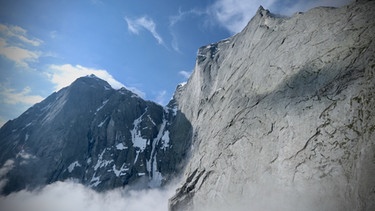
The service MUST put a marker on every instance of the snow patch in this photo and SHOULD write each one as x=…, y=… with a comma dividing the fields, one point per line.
x=95, y=181
x=121, y=146
x=165, y=139
x=152, y=121
x=102, y=123
x=73, y=165
x=182, y=84
x=121, y=172
x=137, y=139
x=101, y=162
x=151, y=165
x=102, y=106
x=136, y=156
x=156, y=177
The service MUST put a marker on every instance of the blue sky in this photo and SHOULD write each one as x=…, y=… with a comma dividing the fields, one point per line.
x=147, y=46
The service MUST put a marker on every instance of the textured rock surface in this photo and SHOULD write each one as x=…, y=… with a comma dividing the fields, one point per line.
x=283, y=115
x=101, y=137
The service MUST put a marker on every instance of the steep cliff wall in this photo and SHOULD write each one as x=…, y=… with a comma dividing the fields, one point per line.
x=284, y=115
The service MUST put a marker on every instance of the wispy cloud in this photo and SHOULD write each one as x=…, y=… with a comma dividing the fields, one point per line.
x=179, y=17
x=19, y=33
x=18, y=55
x=135, y=25
x=161, y=97
x=64, y=75
x=235, y=14
x=185, y=74
x=12, y=96
x=16, y=45
x=8, y=165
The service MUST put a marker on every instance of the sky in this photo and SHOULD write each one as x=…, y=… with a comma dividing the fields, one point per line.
x=148, y=47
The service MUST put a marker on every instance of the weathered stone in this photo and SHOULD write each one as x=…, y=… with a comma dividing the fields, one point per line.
x=283, y=115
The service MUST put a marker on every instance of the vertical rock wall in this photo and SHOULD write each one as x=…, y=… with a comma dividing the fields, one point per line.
x=283, y=115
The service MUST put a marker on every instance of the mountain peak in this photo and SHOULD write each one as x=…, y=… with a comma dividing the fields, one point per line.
x=91, y=76
x=262, y=12
x=91, y=81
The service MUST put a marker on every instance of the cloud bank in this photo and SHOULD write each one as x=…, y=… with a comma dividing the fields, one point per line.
x=63, y=196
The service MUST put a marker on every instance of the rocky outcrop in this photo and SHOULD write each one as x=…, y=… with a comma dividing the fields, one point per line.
x=98, y=136
x=283, y=115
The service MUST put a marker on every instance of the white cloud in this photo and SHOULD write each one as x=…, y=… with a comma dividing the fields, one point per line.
x=12, y=97
x=18, y=55
x=14, y=44
x=235, y=14
x=8, y=165
x=64, y=75
x=185, y=74
x=135, y=25
x=62, y=196
x=173, y=20
x=161, y=97
x=19, y=33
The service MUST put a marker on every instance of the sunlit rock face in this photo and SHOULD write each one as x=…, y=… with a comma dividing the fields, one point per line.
x=93, y=134
x=283, y=115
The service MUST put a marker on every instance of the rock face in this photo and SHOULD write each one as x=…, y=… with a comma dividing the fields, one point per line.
x=283, y=115
x=98, y=136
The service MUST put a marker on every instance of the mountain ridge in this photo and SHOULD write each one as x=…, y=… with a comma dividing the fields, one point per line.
x=99, y=136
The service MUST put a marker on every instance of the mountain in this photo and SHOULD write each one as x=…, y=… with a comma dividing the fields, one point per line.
x=283, y=115
x=101, y=137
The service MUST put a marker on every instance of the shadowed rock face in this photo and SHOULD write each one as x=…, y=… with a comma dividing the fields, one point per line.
x=283, y=115
x=98, y=136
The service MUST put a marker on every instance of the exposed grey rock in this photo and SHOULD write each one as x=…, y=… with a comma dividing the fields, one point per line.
x=283, y=115
x=98, y=136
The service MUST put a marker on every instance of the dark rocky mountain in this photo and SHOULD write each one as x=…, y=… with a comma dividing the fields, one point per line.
x=98, y=136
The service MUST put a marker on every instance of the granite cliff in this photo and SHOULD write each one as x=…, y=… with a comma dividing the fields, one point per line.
x=283, y=115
